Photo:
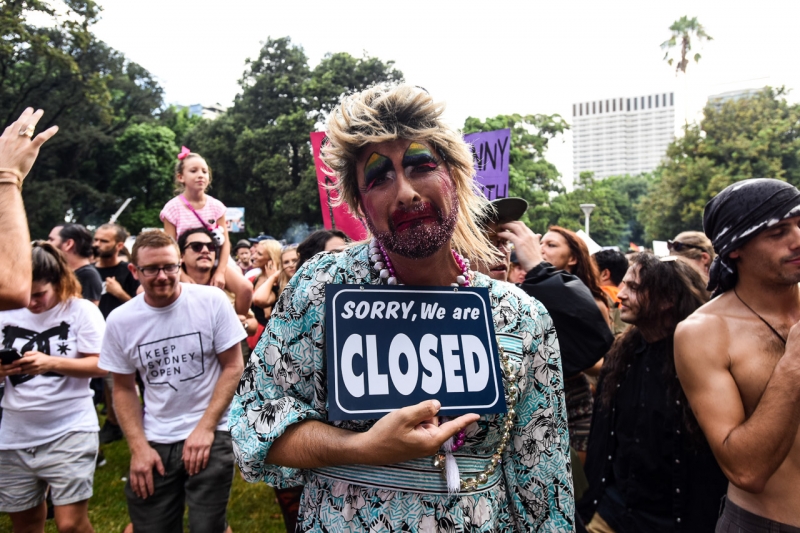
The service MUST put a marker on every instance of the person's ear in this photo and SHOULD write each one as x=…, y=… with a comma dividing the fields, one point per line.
x=734, y=254
x=120, y=246
x=706, y=259
x=605, y=275
x=134, y=271
x=572, y=261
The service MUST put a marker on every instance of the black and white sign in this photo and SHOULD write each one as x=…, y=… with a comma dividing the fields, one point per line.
x=389, y=347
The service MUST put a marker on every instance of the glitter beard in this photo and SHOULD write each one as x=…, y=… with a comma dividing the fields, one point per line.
x=420, y=240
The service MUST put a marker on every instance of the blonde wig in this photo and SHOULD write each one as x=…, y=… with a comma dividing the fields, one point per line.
x=386, y=113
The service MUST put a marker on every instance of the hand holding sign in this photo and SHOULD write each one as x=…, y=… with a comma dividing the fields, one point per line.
x=410, y=433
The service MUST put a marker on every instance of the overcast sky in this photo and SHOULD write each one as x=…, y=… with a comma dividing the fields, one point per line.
x=482, y=58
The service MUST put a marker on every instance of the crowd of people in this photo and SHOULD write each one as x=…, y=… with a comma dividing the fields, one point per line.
x=643, y=393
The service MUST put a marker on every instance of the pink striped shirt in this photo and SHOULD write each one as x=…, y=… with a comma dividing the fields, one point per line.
x=178, y=213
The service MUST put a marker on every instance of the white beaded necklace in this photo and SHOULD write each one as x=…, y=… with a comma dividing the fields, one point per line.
x=385, y=268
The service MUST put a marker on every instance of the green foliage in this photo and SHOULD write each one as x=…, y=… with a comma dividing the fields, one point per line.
x=531, y=176
x=146, y=153
x=90, y=90
x=683, y=29
x=613, y=221
x=754, y=137
x=260, y=150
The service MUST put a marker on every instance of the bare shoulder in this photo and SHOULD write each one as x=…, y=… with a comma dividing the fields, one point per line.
x=706, y=332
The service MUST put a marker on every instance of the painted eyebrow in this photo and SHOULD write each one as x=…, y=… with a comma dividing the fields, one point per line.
x=417, y=154
x=377, y=165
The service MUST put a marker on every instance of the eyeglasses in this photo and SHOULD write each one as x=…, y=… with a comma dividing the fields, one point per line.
x=151, y=271
x=678, y=246
x=197, y=247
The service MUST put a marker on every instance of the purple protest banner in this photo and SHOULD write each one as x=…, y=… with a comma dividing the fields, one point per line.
x=490, y=151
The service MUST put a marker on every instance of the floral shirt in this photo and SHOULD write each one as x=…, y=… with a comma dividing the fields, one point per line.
x=285, y=383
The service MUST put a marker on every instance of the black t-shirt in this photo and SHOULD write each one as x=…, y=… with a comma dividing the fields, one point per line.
x=129, y=284
x=91, y=284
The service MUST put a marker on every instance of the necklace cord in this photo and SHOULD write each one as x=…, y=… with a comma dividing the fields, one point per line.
x=760, y=317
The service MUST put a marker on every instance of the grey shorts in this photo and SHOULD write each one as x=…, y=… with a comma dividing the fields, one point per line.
x=734, y=519
x=206, y=493
x=66, y=464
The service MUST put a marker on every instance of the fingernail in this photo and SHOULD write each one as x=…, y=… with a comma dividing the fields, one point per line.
x=436, y=404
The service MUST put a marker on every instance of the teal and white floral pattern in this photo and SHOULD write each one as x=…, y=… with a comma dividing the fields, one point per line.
x=285, y=383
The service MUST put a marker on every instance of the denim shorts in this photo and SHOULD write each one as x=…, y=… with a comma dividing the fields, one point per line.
x=205, y=493
x=66, y=464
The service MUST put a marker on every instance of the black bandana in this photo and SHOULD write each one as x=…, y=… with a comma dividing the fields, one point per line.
x=739, y=213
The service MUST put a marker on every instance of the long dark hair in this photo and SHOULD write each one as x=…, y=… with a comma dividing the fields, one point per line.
x=667, y=293
x=315, y=243
x=585, y=269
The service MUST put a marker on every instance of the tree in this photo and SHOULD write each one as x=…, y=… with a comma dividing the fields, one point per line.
x=531, y=176
x=260, y=150
x=755, y=137
x=146, y=153
x=683, y=29
x=613, y=221
x=89, y=89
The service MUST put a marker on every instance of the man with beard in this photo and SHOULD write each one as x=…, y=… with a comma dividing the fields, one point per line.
x=198, y=257
x=650, y=470
x=183, y=339
x=410, y=177
x=76, y=243
x=119, y=286
x=738, y=357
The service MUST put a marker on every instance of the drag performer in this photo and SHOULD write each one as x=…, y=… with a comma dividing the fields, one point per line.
x=411, y=178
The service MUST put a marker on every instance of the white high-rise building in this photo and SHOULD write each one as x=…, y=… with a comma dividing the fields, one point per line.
x=622, y=135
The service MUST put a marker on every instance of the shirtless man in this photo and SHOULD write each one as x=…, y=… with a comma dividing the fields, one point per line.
x=738, y=357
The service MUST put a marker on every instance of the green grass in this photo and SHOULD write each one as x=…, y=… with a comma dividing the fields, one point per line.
x=252, y=506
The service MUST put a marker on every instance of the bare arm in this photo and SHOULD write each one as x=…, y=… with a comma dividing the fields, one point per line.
x=408, y=433
x=197, y=447
x=169, y=229
x=129, y=414
x=264, y=296
x=17, y=154
x=242, y=289
x=114, y=288
x=37, y=363
x=749, y=450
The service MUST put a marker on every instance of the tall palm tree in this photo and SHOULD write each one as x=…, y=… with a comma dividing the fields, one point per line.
x=683, y=29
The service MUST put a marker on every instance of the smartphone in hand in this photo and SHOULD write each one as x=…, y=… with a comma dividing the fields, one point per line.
x=9, y=355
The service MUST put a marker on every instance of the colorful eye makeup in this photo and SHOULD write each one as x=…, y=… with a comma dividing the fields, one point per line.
x=417, y=159
x=417, y=155
x=377, y=166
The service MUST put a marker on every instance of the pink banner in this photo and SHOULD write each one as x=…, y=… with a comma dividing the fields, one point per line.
x=334, y=217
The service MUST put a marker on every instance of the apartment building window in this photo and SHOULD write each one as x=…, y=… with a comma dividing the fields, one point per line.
x=649, y=102
x=594, y=109
x=629, y=104
x=671, y=101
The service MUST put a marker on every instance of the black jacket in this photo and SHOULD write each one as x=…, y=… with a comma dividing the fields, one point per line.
x=646, y=472
x=583, y=334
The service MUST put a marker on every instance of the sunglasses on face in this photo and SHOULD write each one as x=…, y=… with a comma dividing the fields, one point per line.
x=677, y=246
x=197, y=247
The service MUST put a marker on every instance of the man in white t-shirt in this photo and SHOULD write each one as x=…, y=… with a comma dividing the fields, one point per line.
x=183, y=339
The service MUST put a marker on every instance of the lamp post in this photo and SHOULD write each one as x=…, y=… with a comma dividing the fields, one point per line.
x=587, y=210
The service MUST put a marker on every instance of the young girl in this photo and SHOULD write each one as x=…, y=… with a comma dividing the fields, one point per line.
x=193, y=208
x=49, y=430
